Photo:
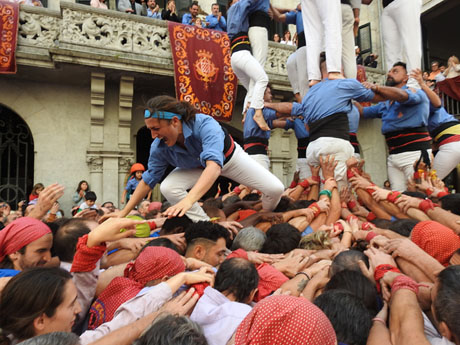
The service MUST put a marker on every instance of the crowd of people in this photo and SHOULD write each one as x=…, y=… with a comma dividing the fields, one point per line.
x=331, y=259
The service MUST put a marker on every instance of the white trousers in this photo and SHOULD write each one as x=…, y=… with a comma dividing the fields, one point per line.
x=241, y=168
x=262, y=160
x=348, y=43
x=402, y=37
x=401, y=168
x=341, y=149
x=248, y=70
x=322, y=22
x=297, y=71
x=447, y=159
x=303, y=168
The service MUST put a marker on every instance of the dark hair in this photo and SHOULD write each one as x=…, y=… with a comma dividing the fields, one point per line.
x=31, y=293
x=357, y=284
x=172, y=330
x=206, y=230
x=348, y=315
x=80, y=183
x=403, y=226
x=285, y=204
x=90, y=195
x=168, y=103
x=414, y=194
x=7, y=263
x=251, y=197
x=401, y=64
x=435, y=62
x=107, y=202
x=54, y=338
x=381, y=223
x=151, y=214
x=237, y=276
x=66, y=238
x=212, y=202
x=281, y=238
x=175, y=225
x=447, y=300
x=451, y=202
x=231, y=200
x=161, y=242
x=348, y=260
x=37, y=186
x=194, y=3
x=302, y=204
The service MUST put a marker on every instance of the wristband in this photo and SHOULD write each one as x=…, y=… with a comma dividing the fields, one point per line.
x=315, y=208
x=237, y=190
x=393, y=196
x=152, y=225
x=305, y=184
x=371, y=216
x=370, y=236
x=350, y=217
x=441, y=194
x=316, y=179
x=429, y=191
x=404, y=282
x=326, y=192
x=380, y=271
x=426, y=205
x=338, y=226
x=351, y=204
x=380, y=320
x=370, y=190
x=366, y=226
x=293, y=184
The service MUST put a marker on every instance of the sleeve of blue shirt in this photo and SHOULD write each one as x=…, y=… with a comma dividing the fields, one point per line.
x=414, y=97
x=291, y=17
x=213, y=22
x=269, y=116
x=223, y=23
x=186, y=18
x=357, y=91
x=212, y=140
x=297, y=109
x=156, y=165
x=372, y=112
x=289, y=124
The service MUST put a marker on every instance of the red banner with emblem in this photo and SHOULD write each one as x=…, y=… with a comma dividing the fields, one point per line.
x=451, y=87
x=202, y=70
x=9, y=20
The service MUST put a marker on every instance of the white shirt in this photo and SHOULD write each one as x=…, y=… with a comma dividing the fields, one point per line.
x=432, y=334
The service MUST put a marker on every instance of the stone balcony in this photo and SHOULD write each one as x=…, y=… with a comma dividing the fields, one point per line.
x=82, y=35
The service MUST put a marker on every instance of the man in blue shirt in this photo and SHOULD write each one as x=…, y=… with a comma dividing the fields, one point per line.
x=325, y=110
x=190, y=18
x=153, y=10
x=216, y=20
x=404, y=126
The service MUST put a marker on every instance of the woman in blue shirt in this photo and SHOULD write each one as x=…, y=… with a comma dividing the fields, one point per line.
x=200, y=150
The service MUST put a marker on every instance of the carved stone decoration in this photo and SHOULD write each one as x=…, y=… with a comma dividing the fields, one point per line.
x=95, y=163
x=38, y=29
x=276, y=60
x=85, y=28
x=151, y=40
x=124, y=164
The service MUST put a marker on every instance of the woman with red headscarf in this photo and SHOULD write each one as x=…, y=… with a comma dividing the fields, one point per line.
x=286, y=320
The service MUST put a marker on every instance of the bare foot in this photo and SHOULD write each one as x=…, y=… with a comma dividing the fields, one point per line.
x=313, y=82
x=335, y=75
x=259, y=119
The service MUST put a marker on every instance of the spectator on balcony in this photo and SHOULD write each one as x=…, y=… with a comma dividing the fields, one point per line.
x=434, y=70
x=453, y=67
x=287, y=38
x=99, y=4
x=359, y=57
x=130, y=6
x=216, y=20
x=37, y=3
x=170, y=13
x=152, y=10
x=190, y=18
x=276, y=38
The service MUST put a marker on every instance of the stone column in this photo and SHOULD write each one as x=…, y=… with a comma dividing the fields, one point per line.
x=124, y=165
x=95, y=164
x=282, y=151
x=125, y=112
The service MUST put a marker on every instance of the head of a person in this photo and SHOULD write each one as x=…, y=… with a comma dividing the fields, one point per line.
x=348, y=315
x=206, y=241
x=170, y=329
x=231, y=200
x=286, y=320
x=83, y=185
x=451, y=202
x=175, y=225
x=164, y=115
x=442, y=68
x=155, y=205
x=397, y=76
x=426, y=75
x=446, y=303
x=109, y=205
x=171, y=4
x=386, y=184
x=276, y=38
x=198, y=21
x=90, y=198
x=287, y=35
x=436, y=239
x=316, y=241
x=215, y=9
x=54, y=338
x=268, y=97
x=143, y=207
x=281, y=239
x=39, y=301
x=161, y=242
x=215, y=214
x=24, y=243
x=403, y=226
x=37, y=188
x=357, y=284
x=237, y=279
x=434, y=66
x=194, y=7
x=151, y=4
x=348, y=260
x=249, y=239
x=67, y=236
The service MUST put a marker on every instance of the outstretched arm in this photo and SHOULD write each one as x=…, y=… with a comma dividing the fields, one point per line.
x=383, y=93
x=281, y=107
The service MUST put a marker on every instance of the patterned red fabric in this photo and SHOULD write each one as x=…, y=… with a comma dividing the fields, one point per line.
x=203, y=74
x=285, y=320
x=85, y=259
x=239, y=253
x=19, y=234
x=451, y=87
x=9, y=20
x=380, y=271
x=153, y=263
x=436, y=239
